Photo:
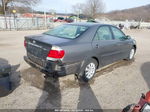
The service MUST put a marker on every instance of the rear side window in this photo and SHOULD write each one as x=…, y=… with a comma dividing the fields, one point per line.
x=118, y=35
x=103, y=33
x=67, y=31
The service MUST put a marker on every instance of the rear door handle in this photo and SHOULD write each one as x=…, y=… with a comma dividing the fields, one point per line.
x=97, y=46
x=119, y=44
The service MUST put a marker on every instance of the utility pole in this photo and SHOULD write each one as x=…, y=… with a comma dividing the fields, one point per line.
x=32, y=15
x=4, y=10
x=14, y=13
x=45, y=19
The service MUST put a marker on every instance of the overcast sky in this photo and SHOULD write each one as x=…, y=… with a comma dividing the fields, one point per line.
x=63, y=6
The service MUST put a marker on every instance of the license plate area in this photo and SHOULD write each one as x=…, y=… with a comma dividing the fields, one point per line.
x=37, y=60
x=34, y=50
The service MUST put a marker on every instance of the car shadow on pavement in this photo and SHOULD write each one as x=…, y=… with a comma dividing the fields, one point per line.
x=87, y=99
x=9, y=77
x=145, y=70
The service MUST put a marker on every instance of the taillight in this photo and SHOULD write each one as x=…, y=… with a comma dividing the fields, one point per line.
x=25, y=43
x=55, y=53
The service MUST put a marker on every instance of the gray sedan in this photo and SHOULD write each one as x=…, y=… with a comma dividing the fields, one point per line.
x=78, y=48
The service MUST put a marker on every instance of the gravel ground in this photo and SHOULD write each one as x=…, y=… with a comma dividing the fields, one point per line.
x=113, y=87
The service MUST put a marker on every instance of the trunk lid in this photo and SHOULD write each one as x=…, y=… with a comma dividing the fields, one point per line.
x=38, y=46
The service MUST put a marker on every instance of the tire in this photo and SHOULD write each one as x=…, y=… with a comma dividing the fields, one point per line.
x=88, y=71
x=131, y=54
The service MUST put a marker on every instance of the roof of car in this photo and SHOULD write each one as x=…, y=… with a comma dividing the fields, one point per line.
x=87, y=24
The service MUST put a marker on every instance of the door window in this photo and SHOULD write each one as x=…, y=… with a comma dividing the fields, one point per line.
x=103, y=33
x=118, y=35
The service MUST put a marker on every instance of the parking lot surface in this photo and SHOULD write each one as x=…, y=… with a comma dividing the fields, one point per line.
x=113, y=87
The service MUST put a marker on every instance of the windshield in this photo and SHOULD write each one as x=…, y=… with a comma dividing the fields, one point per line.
x=67, y=31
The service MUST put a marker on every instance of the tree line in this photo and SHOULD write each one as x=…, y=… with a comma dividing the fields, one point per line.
x=138, y=14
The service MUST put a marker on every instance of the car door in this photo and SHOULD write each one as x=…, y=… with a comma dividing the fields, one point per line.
x=123, y=44
x=104, y=45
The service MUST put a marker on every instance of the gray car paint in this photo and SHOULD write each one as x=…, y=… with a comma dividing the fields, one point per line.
x=84, y=47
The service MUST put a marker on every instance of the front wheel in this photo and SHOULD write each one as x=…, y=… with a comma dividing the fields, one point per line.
x=131, y=54
x=88, y=70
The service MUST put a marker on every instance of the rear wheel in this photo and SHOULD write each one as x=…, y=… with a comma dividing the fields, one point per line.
x=88, y=70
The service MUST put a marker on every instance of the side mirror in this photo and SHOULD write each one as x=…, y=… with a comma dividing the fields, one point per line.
x=128, y=37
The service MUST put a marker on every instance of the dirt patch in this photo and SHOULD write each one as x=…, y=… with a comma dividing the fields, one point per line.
x=113, y=66
x=74, y=83
x=34, y=77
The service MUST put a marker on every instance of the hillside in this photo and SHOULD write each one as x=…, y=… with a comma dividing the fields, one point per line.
x=137, y=13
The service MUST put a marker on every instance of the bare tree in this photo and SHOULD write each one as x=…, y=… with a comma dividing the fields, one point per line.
x=92, y=8
x=78, y=8
x=25, y=3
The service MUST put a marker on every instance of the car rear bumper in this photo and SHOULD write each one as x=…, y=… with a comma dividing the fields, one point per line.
x=52, y=68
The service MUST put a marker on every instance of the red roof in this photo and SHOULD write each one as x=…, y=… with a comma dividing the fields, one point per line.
x=30, y=15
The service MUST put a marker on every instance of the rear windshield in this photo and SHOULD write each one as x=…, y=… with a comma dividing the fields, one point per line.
x=67, y=31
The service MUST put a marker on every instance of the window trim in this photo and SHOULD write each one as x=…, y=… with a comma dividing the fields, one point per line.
x=70, y=38
x=113, y=33
x=112, y=36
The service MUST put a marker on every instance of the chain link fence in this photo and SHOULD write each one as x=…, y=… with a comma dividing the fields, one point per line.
x=37, y=23
x=13, y=23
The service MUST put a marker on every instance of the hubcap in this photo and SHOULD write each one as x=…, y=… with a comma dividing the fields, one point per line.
x=90, y=70
x=132, y=53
